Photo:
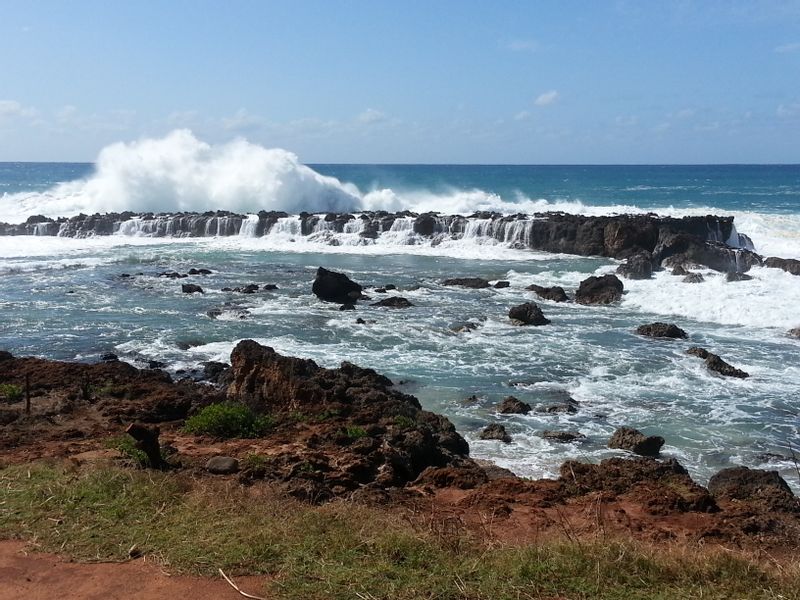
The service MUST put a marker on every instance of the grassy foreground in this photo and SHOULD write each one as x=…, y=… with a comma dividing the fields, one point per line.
x=344, y=550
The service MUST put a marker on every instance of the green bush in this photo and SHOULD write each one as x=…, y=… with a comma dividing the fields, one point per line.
x=126, y=446
x=404, y=422
x=228, y=420
x=11, y=392
x=355, y=432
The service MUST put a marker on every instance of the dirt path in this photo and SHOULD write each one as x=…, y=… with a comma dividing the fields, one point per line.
x=35, y=576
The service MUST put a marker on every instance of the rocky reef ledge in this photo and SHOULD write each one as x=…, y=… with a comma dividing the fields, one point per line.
x=348, y=433
x=648, y=241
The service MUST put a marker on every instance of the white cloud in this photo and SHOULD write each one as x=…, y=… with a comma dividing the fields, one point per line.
x=371, y=116
x=662, y=127
x=522, y=115
x=685, y=113
x=242, y=121
x=788, y=110
x=12, y=109
x=546, y=98
x=522, y=45
x=790, y=47
x=66, y=113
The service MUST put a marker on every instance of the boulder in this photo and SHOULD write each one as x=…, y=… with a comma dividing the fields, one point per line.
x=679, y=270
x=599, y=290
x=495, y=432
x=513, y=406
x=348, y=306
x=633, y=440
x=222, y=465
x=716, y=364
x=563, y=437
x=502, y=284
x=191, y=288
x=795, y=333
x=393, y=302
x=733, y=276
x=694, y=278
x=554, y=293
x=661, y=330
x=330, y=286
x=109, y=357
x=467, y=282
x=527, y=314
x=638, y=266
x=754, y=485
x=214, y=371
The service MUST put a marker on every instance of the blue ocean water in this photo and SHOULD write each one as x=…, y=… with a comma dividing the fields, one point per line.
x=63, y=298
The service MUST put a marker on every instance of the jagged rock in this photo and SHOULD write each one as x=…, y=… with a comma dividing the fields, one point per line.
x=527, y=314
x=222, y=465
x=269, y=287
x=638, y=266
x=191, y=288
x=495, y=432
x=214, y=313
x=795, y=333
x=662, y=330
x=194, y=271
x=790, y=265
x=214, y=371
x=599, y=290
x=679, y=270
x=754, y=485
x=733, y=276
x=502, y=284
x=394, y=302
x=468, y=282
x=554, y=293
x=694, y=278
x=360, y=321
x=660, y=486
x=330, y=286
x=513, y=406
x=109, y=357
x=250, y=288
x=627, y=438
x=716, y=364
x=347, y=306
x=563, y=437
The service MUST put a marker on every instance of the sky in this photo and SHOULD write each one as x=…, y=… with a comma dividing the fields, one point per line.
x=408, y=81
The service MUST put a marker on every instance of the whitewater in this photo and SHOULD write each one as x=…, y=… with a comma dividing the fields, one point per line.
x=65, y=298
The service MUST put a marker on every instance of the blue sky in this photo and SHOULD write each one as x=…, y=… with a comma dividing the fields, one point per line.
x=436, y=82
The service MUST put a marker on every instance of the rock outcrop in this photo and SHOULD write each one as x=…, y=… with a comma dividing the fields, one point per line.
x=475, y=283
x=662, y=330
x=633, y=440
x=716, y=364
x=527, y=314
x=554, y=293
x=599, y=290
x=330, y=286
x=754, y=485
x=513, y=406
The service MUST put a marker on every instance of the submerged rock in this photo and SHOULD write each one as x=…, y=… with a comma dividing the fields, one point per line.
x=716, y=364
x=661, y=330
x=733, y=276
x=191, y=288
x=502, y=284
x=468, y=282
x=563, y=437
x=554, y=293
x=599, y=290
x=513, y=406
x=633, y=440
x=527, y=314
x=394, y=302
x=330, y=286
x=694, y=278
x=790, y=265
x=495, y=432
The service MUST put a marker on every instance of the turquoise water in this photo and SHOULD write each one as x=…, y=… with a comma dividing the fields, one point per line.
x=63, y=298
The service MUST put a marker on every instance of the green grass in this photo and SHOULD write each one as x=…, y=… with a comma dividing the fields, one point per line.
x=342, y=550
x=228, y=420
x=10, y=392
x=355, y=432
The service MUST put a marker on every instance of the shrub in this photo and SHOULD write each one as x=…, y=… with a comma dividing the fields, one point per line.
x=228, y=420
x=11, y=392
x=126, y=446
x=355, y=432
x=404, y=422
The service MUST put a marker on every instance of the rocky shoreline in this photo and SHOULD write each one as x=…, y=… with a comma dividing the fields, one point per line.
x=648, y=242
x=348, y=433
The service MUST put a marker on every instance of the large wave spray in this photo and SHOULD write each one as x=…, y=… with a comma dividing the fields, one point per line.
x=181, y=173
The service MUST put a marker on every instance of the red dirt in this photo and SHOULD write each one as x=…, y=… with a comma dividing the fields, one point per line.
x=35, y=576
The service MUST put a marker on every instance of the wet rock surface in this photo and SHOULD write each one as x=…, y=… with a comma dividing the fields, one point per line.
x=633, y=440
x=554, y=293
x=662, y=330
x=716, y=364
x=513, y=406
x=599, y=290
x=330, y=286
x=527, y=314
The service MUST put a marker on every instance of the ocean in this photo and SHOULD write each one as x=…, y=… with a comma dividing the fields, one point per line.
x=63, y=298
